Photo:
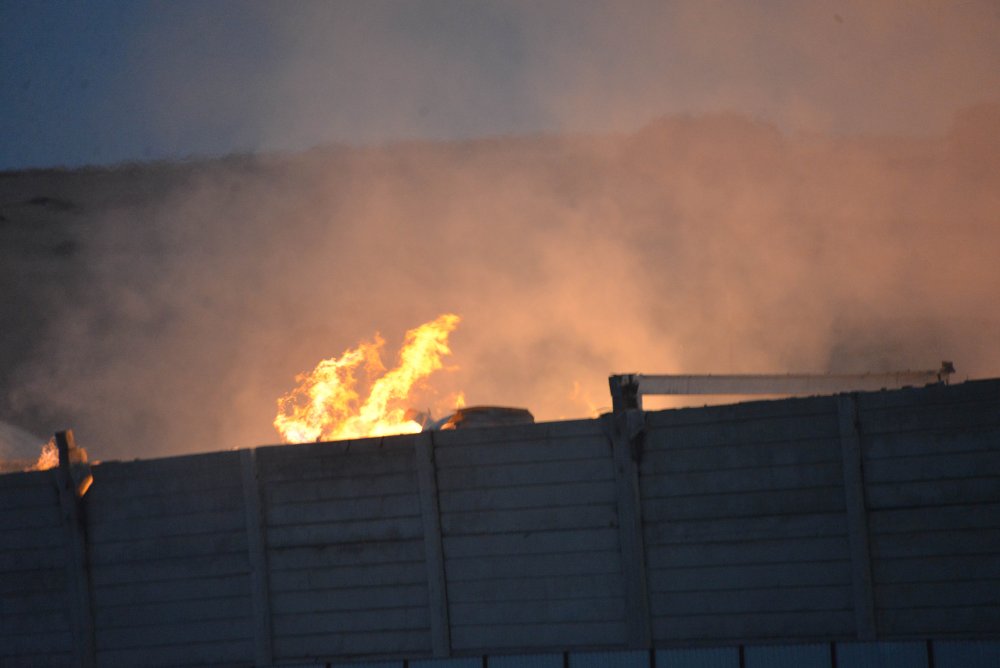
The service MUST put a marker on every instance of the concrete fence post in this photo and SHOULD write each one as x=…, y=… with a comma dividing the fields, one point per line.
x=626, y=429
x=257, y=554
x=71, y=488
x=437, y=587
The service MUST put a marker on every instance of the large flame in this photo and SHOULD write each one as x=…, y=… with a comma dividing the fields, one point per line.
x=326, y=405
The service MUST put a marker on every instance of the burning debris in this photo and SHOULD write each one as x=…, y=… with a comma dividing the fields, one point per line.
x=473, y=416
x=327, y=404
x=488, y=416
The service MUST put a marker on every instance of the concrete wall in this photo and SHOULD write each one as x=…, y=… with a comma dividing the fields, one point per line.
x=531, y=547
x=745, y=523
x=743, y=529
x=35, y=617
x=168, y=561
x=344, y=550
x=933, y=494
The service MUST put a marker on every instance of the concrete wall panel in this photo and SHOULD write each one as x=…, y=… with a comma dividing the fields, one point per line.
x=634, y=659
x=526, y=661
x=709, y=657
x=882, y=655
x=515, y=542
x=965, y=654
x=788, y=656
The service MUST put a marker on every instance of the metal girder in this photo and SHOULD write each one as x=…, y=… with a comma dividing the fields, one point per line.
x=627, y=389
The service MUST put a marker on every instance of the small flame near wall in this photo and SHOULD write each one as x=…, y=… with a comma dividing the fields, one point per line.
x=327, y=404
x=48, y=458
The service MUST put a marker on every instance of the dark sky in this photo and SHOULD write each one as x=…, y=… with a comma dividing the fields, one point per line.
x=105, y=82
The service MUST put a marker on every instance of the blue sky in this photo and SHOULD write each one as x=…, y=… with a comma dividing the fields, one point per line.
x=106, y=82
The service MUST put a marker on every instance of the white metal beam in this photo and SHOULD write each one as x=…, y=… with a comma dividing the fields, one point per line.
x=783, y=384
x=628, y=389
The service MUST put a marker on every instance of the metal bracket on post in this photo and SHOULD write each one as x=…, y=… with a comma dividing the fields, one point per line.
x=625, y=392
x=73, y=479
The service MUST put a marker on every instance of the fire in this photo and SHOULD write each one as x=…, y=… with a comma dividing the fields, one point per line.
x=327, y=405
x=48, y=458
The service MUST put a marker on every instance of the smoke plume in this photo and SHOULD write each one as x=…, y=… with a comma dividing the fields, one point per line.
x=594, y=187
x=178, y=302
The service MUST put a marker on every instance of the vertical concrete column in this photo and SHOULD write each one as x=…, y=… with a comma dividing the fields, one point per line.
x=437, y=586
x=626, y=429
x=71, y=489
x=257, y=554
x=857, y=516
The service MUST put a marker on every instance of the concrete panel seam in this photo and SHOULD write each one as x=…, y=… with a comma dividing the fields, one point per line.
x=430, y=511
x=257, y=554
x=857, y=517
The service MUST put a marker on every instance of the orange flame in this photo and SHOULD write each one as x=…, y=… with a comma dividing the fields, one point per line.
x=48, y=458
x=326, y=404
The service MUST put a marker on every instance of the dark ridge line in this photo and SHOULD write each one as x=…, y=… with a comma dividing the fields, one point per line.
x=530, y=622
x=455, y=490
x=138, y=626
x=937, y=454
x=713, y=517
x=939, y=608
x=605, y=551
x=389, y=494
x=521, y=530
x=360, y=568
x=380, y=543
x=667, y=544
x=105, y=585
x=921, y=481
x=514, y=601
x=742, y=564
x=102, y=494
x=656, y=444
x=744, y=492
x=789, y=612
x=503, y=510
x=828, y=562
x=929, y=507
x=904, y=583
x=482, y=580
x=154, y=518
x=99, y=566
x=104, y=550
x=779, y=588
x=327, y=634
x=206, y=531
x=373, y=519
x=929, y=431
x=525, y=463
x=133, y=604
x=542, y=483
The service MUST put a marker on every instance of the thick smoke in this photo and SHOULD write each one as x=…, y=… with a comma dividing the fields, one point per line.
x=820, y=192
x=191, y=295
